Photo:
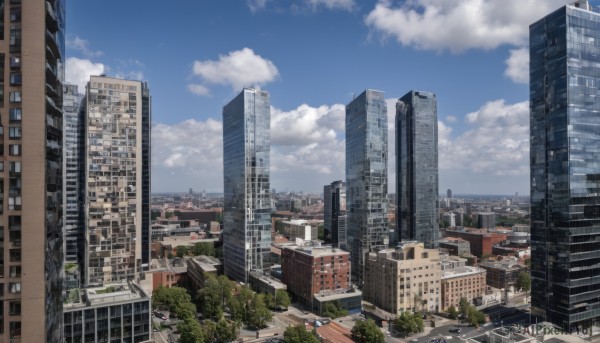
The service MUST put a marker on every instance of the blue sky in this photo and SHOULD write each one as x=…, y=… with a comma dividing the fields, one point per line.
x=312, y=56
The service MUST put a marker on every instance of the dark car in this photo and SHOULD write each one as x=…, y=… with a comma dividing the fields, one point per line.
x=159, y=315
x=455, y=330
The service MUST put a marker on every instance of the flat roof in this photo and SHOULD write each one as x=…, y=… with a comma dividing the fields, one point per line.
x=103, y=296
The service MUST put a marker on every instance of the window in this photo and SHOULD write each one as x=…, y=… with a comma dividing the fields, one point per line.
x=15, y=167
x=14, y=203
x=1, y=166
x=14, y=287
x=14, y=308
x=14, y=132
x=15, y=114
x=15, y=96
x=14, y=150
x=15, y=256
x=15, y=62
x=16, y=79
x=15, y=271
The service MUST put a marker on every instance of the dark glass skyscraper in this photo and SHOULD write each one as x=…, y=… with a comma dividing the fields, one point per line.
x=366, y=177
x=334, y=206
x=565, y=166
x=247, y=210
x=417, y=168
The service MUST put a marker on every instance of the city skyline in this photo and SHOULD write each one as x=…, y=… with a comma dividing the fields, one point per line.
x=286, y=52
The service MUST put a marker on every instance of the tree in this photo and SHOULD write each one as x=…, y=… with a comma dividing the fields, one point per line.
x=181, y=251
x=176, y=299
x=259, y=315
x=298, y=334
x=527, y=262
x=203, y=248
x=524, y=282
x=333, y=309
x=280, y=298
x=408, y=323
x=191, y=331
x=215, y=294
x=463, y=306
x=366, y=331
x=452, y=312
x=475, y=317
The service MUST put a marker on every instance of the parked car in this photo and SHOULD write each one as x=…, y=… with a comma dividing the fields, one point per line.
x=159, y=315
x=455, y=330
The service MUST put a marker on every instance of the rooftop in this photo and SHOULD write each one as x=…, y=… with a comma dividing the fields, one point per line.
x=105, y=295
x=462, y=271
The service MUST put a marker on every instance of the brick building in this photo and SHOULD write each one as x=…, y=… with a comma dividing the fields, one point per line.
x=502, y=274
x=461, y=281
x=309, y=270
x=481, y=241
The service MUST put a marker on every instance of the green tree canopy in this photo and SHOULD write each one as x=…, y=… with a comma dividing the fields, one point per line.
x=203, y=248
x=463, y=306
x=408, y=323
x=366, y=331
x=181, y=251
x=475, y=317
x=298, y=334
x=212, y=298
x=191, y=331
x=280, y=298
x=259, y=315
x=333, y=309
x=452, y=312
x=176, y=299
x=523, y=281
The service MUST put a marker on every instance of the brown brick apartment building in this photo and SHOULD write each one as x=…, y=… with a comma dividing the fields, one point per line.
x=310, y=270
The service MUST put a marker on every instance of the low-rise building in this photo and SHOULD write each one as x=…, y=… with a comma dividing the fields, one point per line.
x=311, y=269
x=405, y=279
x=502, y=274
x=481, y=241
x=200, y=268
x=461, y=281
x=262, y=282
x=112, y=313
x=168, y=272
x=455, y=246
x=298, y=228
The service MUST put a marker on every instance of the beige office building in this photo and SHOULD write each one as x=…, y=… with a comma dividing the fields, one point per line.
x=461, y=281
x=404, y=279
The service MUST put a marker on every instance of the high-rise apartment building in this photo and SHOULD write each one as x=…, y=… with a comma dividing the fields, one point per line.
x=246, y=161
x=366, y=177
x=334, y=206
x=417, y=168
x=74, y=173
x=449, y=193
x=31, y=230
x=117, y=162
x=565, y=172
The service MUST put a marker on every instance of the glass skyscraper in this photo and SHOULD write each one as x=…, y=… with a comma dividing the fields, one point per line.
x=366, y=177
x=565, y=166
x=246, y=162
x=417, y=168
x=334, y=206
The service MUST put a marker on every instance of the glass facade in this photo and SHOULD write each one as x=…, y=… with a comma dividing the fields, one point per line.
x=417, y=168
x=366, y=177
x=334, y=206
x=73, y=152
x=117, y=151
x=246, y=161
x=565, y=167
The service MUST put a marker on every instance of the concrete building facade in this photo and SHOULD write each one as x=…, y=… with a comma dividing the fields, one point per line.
x=405, y=279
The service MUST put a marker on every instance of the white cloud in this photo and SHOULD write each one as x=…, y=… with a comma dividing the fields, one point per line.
x=198, y=89
x=458, y=25
x=78, y=71
x=517, y=65
x=306, y=125
x=256, y=5
x=496, y=144
x=130, y=75
x=451, y=119
x=347, y=5
x=238, y=69
x=82, y=45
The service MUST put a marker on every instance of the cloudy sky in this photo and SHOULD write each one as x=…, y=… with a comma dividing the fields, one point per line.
x=313, y=56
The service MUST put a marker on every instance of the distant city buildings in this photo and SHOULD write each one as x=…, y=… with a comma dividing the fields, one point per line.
x=486, y=220
x=366, y=177
x=565, y=173
x=247, y=202
x=404, y=279
x=449, y=193
x=334, y=207
x=417, y=168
